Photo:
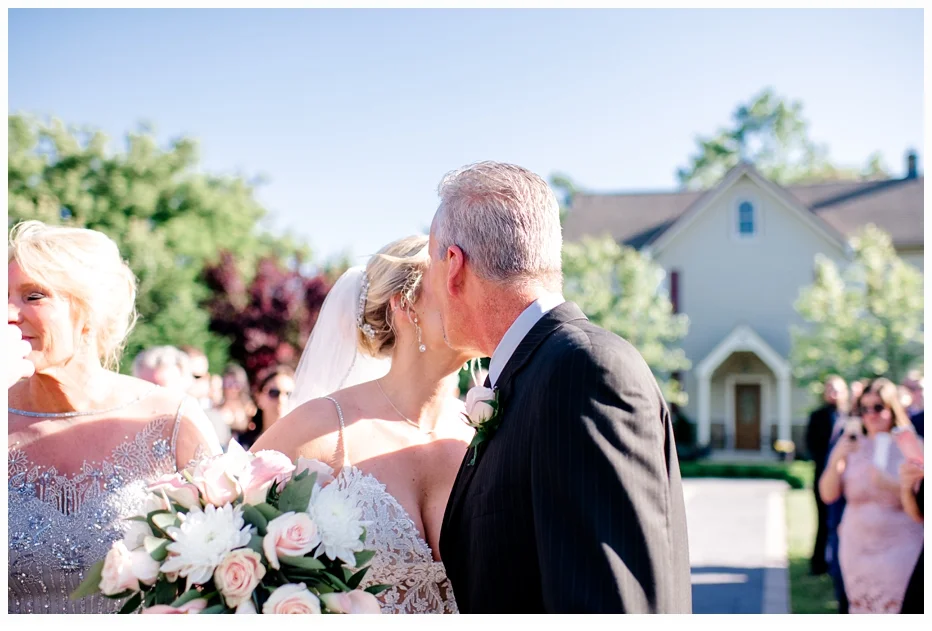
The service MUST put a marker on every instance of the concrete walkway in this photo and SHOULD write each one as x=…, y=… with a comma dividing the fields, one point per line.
x=737, y=545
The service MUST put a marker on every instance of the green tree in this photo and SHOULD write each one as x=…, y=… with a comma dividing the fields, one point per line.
x=565, y=189
x=863, y=321
x=621, y=290
x=168, y=217
x=771, y=133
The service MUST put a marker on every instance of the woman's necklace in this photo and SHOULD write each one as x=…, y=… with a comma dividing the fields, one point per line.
x=29, y=414
x=407, y=420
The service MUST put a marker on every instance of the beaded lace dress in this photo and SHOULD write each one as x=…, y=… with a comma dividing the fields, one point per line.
x=402, y=557
x=61, y=524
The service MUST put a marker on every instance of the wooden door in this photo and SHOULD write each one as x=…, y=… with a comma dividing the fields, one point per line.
x=747, y=416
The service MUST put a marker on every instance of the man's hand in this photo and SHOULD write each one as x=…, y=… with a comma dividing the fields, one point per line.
x=18, y=367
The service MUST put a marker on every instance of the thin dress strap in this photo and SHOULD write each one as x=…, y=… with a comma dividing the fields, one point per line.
x=346, y=460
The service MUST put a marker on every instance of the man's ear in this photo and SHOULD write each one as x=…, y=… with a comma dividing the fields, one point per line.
x=456, y=270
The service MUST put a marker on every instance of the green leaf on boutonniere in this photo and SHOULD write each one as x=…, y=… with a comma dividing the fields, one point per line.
x=91, y=583
x=165, y=592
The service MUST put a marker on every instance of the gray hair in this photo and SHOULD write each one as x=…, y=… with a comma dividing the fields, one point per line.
x=159, y=356
x=506, y=220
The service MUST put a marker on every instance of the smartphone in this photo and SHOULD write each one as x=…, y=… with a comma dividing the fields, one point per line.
x=908, y=442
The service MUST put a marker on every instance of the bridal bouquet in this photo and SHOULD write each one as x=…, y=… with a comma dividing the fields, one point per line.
x=241, y=533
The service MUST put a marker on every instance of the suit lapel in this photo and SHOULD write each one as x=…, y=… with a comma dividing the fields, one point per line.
x=551, y=321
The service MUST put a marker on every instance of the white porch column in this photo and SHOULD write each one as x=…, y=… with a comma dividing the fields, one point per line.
x=705, y=409
x=783, y=405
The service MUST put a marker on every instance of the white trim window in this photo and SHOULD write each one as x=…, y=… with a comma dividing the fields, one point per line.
x=746, y=219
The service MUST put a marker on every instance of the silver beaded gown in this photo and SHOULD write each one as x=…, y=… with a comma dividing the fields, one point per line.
x=59, y=525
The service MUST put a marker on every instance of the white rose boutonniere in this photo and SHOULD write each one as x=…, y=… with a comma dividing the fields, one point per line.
x=483, y=415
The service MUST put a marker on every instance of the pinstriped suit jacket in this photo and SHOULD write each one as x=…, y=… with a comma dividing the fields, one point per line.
x=575, y=504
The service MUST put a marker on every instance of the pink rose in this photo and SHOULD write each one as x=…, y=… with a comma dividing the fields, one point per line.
x=177, y=490
x=238, y=575
x=215, y=482
x=117, y=575
x=312, y=465
x=291, y=598
x=265, y=469
x=291, y=534
x=356, y=601
x=192, y=606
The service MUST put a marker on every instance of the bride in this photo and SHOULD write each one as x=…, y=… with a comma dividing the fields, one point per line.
x=391, y=425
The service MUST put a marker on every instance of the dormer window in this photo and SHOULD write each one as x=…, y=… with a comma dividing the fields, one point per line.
x=746, y=219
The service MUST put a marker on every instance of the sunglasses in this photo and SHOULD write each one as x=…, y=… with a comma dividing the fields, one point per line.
x=877, y=408
x=275, y=393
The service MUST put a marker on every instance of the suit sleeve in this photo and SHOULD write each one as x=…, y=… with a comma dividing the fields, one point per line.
x=601, y=487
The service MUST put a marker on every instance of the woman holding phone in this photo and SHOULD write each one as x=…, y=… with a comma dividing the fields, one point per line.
x=878, y=541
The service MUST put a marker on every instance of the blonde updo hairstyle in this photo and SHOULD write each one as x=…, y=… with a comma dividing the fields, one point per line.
x=85, y=266
x=397, y=269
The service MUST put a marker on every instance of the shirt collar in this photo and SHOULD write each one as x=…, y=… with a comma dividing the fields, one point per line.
x=518, y=330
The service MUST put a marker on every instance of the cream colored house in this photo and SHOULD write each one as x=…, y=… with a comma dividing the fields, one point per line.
x=736, y=257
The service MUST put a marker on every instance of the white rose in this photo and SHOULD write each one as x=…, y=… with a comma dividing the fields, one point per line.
x=292, y=599
x=145, y=568
x=117, y=575
x=477, y=407
x=136, y=535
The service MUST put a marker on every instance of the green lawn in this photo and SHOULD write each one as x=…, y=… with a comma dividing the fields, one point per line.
x=808, y=594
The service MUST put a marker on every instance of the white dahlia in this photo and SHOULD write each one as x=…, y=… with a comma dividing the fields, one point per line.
x=203, y=540
x=339, y=523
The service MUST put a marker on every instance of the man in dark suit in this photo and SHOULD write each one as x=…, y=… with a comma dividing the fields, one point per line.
x=818, y=435
x=574, y=502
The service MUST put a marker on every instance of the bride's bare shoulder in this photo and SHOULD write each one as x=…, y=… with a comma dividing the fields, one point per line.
x=310, y=430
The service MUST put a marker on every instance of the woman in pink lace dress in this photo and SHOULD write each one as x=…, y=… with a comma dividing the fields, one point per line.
x=878, y=542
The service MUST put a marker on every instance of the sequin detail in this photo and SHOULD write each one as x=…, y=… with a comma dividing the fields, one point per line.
x=59, y=525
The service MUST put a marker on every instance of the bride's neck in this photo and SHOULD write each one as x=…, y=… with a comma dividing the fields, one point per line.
x=418, y=387
x=78, y=386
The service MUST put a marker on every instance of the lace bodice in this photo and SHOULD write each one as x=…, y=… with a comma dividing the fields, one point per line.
x=403, y=559
x=59, y=525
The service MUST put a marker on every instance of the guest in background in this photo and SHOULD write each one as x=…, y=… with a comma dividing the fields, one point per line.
x=275, y=386
x=237, y=407
x=878, y=541
x=200, y=389
x=165, y=366
x=914, y=383
x=912, y=482
x=818, y=435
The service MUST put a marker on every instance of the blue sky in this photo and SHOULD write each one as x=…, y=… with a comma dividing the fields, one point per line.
x=355, y=115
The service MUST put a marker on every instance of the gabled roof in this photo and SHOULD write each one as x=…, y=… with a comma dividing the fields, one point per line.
x=639, y=219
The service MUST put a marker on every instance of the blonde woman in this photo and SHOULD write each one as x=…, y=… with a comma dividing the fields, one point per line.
x=878, y=541
x=83, y=439
x=391, y=425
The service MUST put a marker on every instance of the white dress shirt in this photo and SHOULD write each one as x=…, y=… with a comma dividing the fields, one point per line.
x=519, y=330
